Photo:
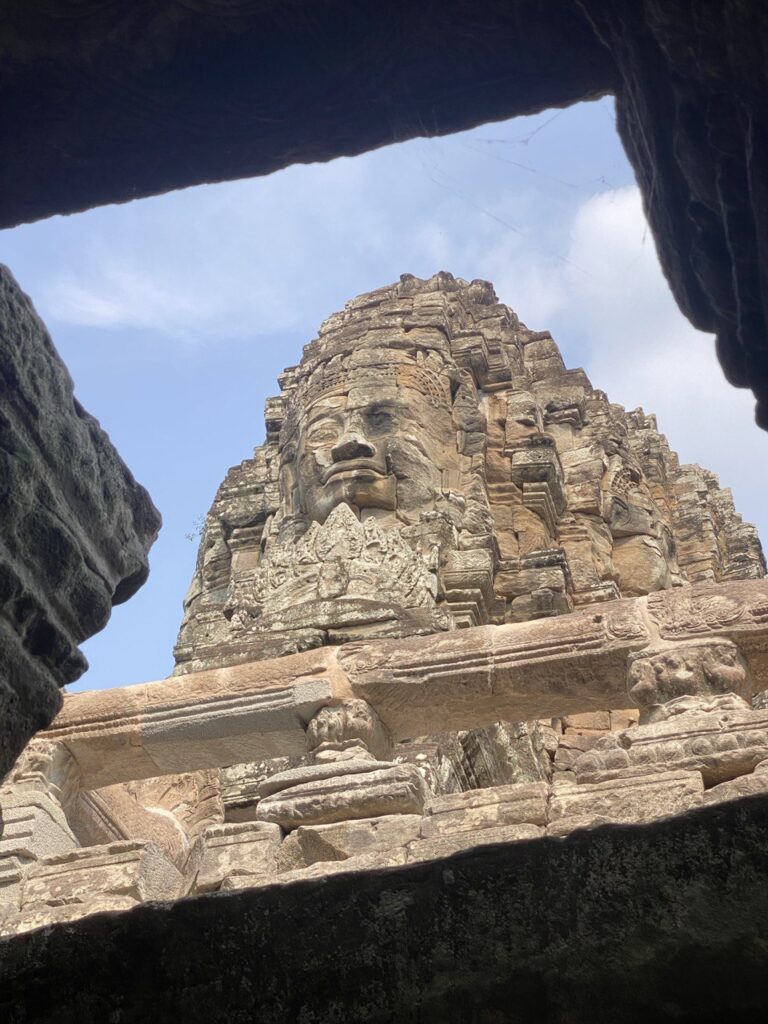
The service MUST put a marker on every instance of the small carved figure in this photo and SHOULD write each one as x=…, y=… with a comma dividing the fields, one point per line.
x=695, y=669
x=351, y=729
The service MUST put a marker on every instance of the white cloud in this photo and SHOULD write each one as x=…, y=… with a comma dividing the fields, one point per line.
x=274, y=254
x=124, y=296
x=638, y=345
x=240, y=259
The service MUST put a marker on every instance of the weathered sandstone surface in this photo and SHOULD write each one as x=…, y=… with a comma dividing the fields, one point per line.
x=458, y=601
x=430, y=464
x=76, y=526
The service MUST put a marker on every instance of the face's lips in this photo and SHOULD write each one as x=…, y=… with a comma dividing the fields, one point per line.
x=354, y=467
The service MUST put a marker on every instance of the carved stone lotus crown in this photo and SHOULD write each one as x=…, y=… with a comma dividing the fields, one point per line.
x=329, y=380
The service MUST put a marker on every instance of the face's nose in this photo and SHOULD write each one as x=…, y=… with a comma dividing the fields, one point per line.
x=352, y=446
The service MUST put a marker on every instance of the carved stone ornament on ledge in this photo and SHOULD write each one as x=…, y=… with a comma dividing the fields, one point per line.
x=338, y=574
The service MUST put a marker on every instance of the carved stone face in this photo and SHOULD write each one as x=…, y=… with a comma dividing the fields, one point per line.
x=379, y=450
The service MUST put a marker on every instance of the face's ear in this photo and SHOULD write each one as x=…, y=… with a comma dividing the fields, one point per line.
x=288, y=485
x=288, y=454
x=467, y=415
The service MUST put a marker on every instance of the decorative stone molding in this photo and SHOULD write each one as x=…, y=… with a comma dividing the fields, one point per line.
x=366, y=790
x=693, y=668
x=720, y=737
x=417, y=686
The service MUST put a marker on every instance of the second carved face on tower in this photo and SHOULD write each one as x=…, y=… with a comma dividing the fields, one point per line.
x=382, y=450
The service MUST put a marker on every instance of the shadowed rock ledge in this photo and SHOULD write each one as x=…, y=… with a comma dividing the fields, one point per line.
x=76, y=526
x=666, y=922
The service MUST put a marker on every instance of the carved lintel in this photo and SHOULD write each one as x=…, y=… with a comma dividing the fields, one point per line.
x=455, y=680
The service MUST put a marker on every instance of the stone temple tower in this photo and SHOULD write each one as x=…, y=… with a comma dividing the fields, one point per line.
x=431, y=464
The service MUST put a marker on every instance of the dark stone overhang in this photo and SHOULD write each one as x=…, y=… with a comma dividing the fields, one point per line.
x=660, y=922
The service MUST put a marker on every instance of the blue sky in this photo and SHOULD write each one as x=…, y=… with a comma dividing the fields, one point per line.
x=176, y=314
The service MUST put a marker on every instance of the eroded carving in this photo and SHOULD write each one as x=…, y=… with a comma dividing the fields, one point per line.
x=689, y=668
x=342, y=572
x=694, y=613
x=719, y=736
x=361, y=793
x=346, y=730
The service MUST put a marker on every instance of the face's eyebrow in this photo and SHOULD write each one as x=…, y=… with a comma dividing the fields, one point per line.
x=396, y=403
x=316, y=413
x=401, y=404
x=385, y=403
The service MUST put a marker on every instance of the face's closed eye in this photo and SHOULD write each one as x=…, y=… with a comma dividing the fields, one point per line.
x=322, y=435
x=380, y=421
x=323, y=429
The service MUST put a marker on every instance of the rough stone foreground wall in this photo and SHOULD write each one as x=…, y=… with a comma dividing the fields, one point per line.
x=76, y=525
x=662, y=922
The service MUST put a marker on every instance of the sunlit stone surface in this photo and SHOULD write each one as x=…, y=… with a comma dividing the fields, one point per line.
x=456, y=599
